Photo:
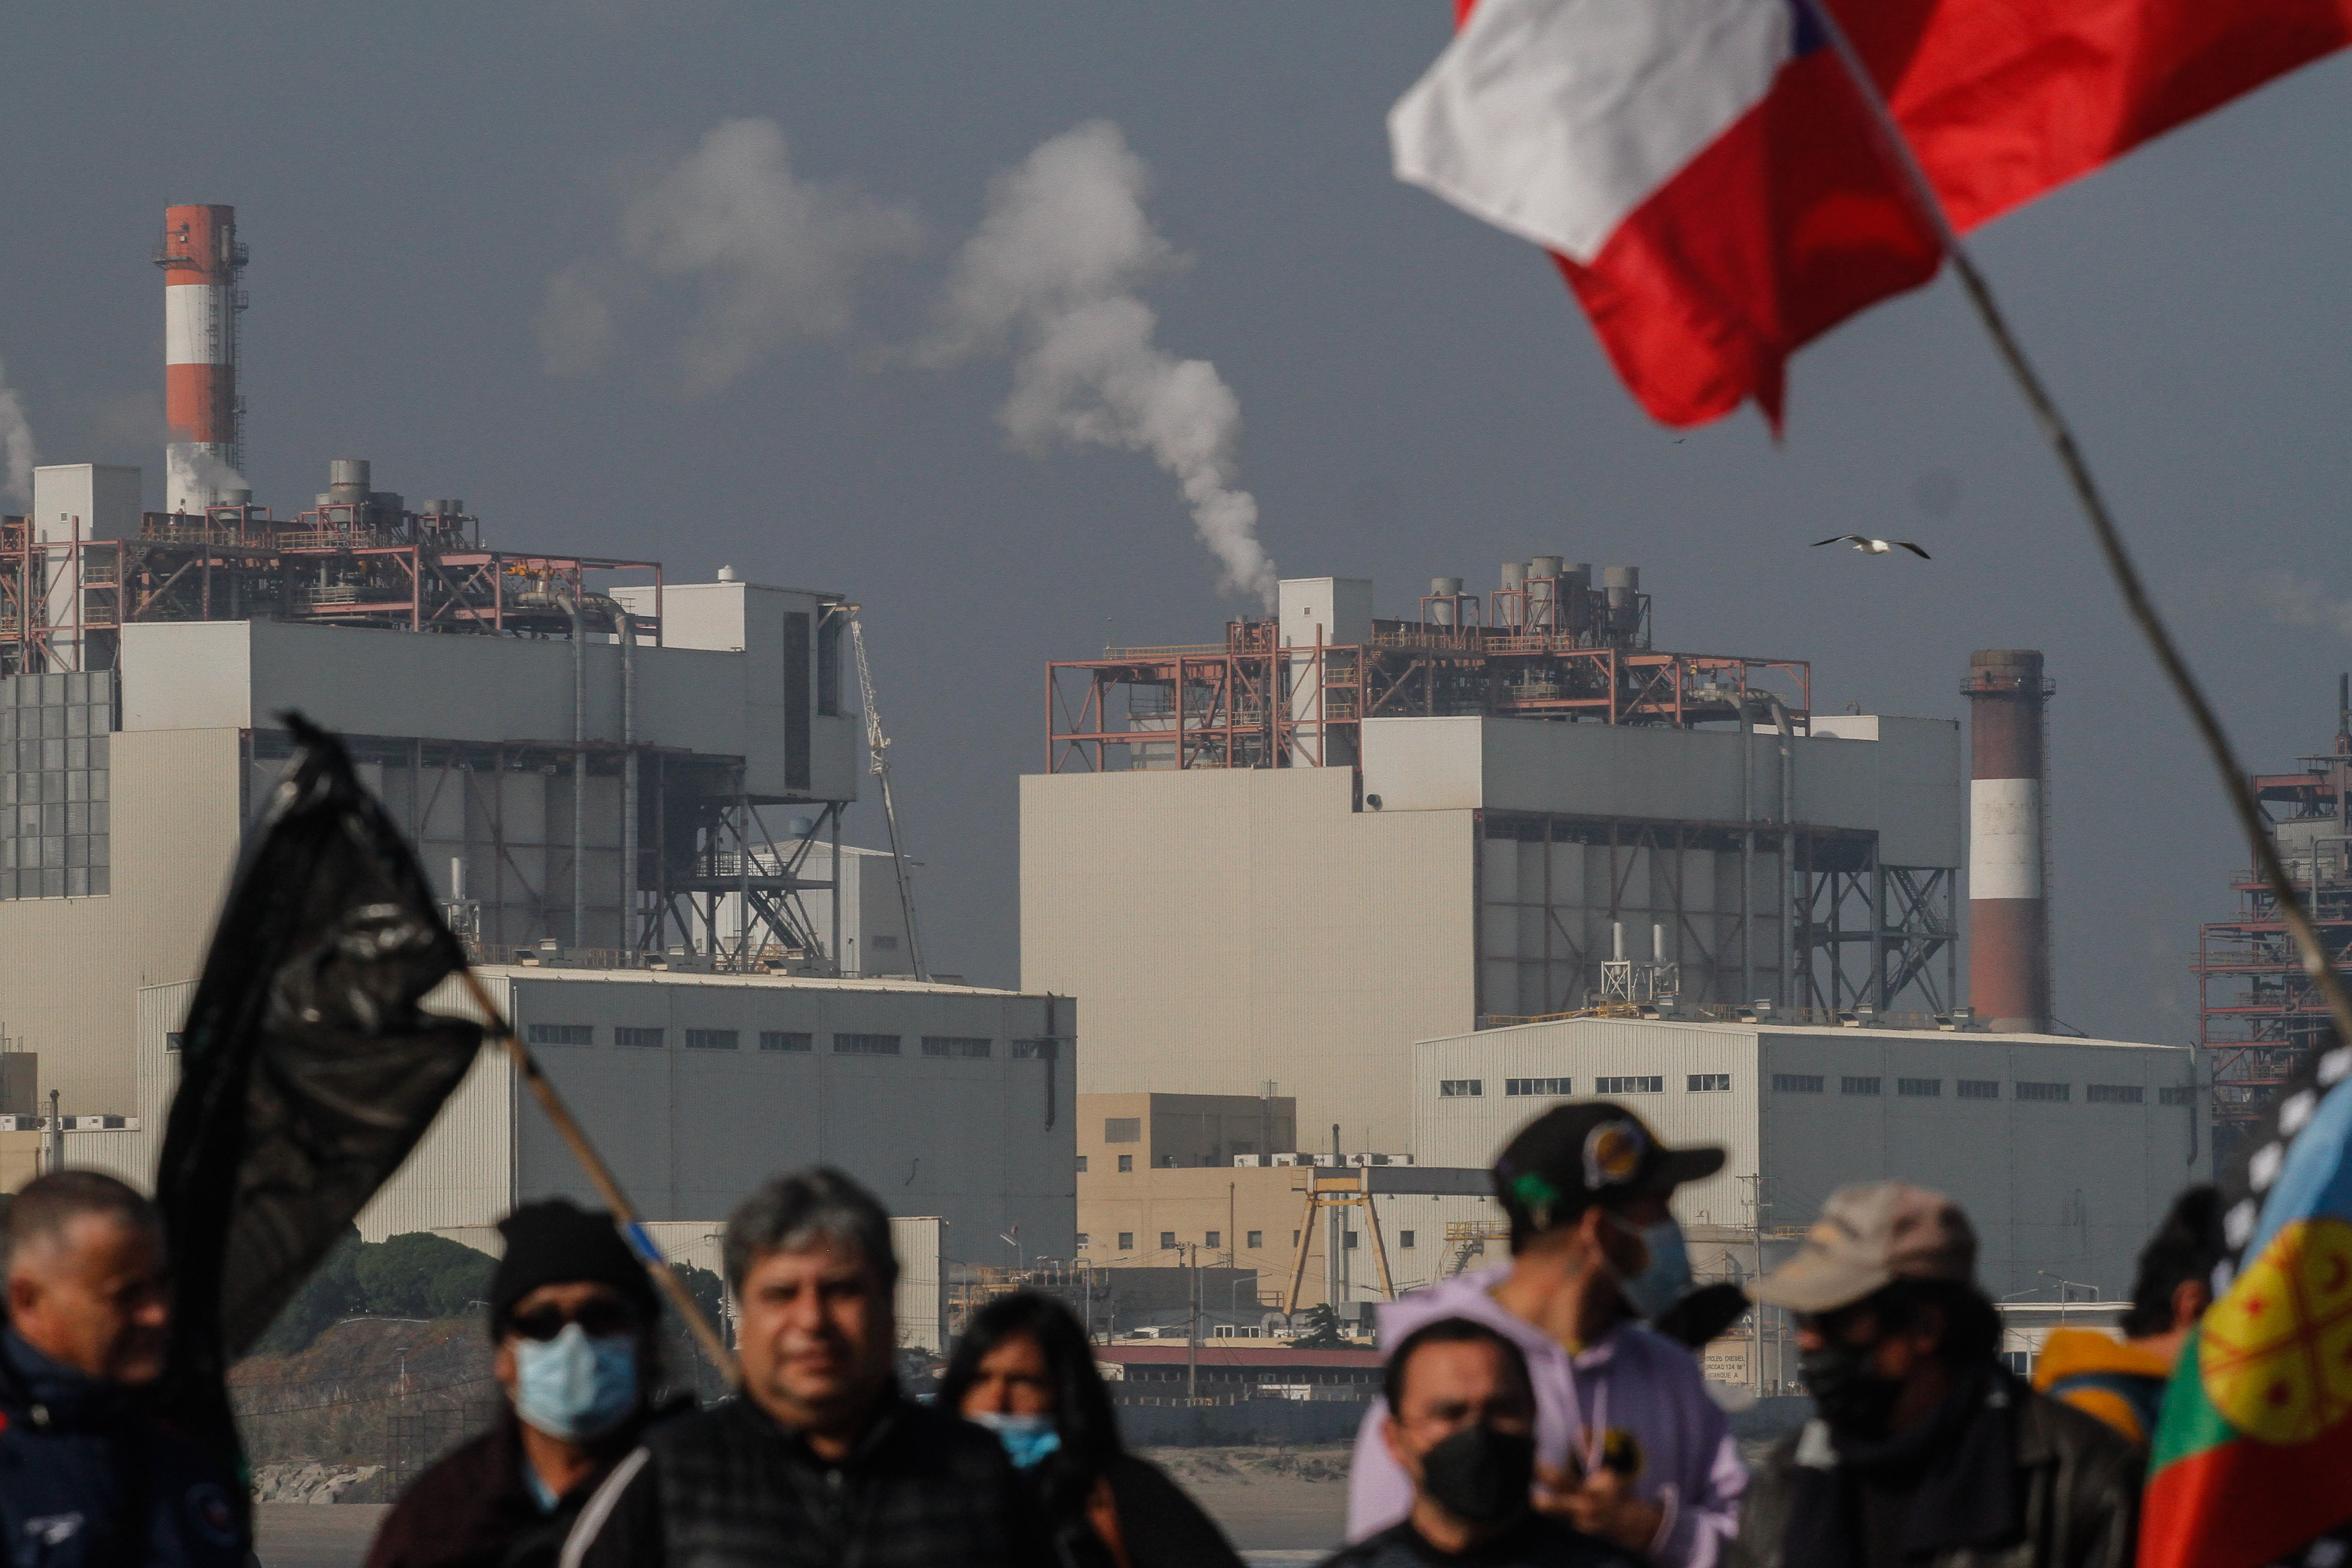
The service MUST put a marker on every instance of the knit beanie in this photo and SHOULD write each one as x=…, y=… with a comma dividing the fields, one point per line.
x=555, y=1242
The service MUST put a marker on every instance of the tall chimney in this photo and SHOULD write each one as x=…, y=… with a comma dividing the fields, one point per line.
x=201, y=260
x=2009, y=909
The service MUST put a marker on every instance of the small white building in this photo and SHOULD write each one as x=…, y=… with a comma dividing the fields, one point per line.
x=2066, y=1153
x=946, y=1101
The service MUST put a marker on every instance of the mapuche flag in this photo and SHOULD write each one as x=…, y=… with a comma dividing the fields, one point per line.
x=307, y=1070
x=2252, y=1458
x=1718, y=193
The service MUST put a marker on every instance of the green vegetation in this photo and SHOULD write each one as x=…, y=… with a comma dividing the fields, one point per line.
x=419, y=1275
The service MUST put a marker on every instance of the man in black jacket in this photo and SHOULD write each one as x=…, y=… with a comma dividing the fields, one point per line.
x=574, y=1315
x=1923, y=1452
x=821, y=1460
x=88, y=1477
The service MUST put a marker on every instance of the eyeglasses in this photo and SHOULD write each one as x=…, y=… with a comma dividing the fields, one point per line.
x=601, y=1318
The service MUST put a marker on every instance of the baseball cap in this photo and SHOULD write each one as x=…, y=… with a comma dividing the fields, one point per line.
x=1869, y=1236
x=1572, y=1154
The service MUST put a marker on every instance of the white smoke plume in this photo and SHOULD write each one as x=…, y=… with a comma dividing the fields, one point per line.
x=1053, y=273
x=17, y=454
x=772, y=256
x=2300, y=602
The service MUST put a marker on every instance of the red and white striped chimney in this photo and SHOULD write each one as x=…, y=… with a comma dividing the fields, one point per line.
x=2009, y=908
x=201, y=259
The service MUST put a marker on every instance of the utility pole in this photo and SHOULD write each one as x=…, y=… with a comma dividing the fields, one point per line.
x=53, y=1140
x=1192, y=1334
x=1755, y=1185
x=1336, y=1233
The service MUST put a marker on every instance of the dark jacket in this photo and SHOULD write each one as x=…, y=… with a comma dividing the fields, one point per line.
x=475, y=1509
x=727, y=1488
x=90, y=1478
x=1160, y=1525
x=1534, y=1542
x=2079, y=1485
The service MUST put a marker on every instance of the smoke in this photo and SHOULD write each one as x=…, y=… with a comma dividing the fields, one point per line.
x=2300, y=602
x=17, y=454
x=205, y=473
x=771, y=257
x=1051, y=274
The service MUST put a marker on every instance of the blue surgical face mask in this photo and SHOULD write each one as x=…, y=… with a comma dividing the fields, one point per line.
x=1026, y=1438
x=1666, y=1279
x=575, y=1387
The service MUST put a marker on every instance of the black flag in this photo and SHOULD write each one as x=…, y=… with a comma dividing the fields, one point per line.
x=308, y=1071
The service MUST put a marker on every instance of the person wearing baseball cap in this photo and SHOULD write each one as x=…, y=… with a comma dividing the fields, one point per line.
x=1629, y=1446
x=1924, y=1451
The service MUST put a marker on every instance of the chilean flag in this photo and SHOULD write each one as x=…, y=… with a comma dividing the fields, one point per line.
x=1718, y=191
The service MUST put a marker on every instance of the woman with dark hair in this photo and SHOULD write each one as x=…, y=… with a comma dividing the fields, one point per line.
x=1026, y=1369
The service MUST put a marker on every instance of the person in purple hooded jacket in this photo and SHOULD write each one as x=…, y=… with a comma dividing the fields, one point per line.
x=1629, y=1446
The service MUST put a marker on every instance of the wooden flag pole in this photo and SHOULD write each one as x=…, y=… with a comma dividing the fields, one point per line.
x=600, y=1176
x=2120, y=565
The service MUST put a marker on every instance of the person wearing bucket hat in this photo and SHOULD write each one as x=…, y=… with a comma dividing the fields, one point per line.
x=1924, y=1451
x=1629, y=1446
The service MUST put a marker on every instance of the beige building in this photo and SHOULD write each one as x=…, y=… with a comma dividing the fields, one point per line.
x=1277, y=910
x=1159, y=1187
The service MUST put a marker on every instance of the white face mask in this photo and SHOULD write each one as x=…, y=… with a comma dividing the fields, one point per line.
x=575, y=1387
x=1666, y=1279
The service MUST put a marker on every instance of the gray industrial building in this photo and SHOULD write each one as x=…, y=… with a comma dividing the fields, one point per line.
x=2066, y=1153
x=946, y=1101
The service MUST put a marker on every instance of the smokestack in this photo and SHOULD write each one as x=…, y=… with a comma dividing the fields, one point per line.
x=2009, y=910
x=201, y=259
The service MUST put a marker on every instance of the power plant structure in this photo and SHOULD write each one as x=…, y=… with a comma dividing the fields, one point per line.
x=626, y=790
x=1290, y=855
x=2259, y=1012
x=2009, y=876
x=202, y=260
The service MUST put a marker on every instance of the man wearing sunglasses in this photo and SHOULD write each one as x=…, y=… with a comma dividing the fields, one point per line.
x=573, y=1317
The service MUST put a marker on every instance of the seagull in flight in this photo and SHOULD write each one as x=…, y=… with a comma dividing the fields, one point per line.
x=1869, y=545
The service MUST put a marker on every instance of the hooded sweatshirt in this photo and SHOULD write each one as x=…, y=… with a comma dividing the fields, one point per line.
x=2120, y=1383
x=1634, y=1401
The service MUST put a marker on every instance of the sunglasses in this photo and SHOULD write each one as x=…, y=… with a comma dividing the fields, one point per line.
x=600, y=1319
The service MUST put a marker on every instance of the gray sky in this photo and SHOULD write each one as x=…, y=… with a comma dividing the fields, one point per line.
x=1417, y=393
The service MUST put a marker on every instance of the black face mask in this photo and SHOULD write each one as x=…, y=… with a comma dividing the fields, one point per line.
x=1479, y=1475
x=1849, y=1393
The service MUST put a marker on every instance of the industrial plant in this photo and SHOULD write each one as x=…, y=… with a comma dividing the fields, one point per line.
x=628, y=789
x=1341, y=899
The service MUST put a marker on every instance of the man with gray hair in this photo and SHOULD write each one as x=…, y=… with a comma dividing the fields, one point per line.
x=88, y=1474
x=821, y=1459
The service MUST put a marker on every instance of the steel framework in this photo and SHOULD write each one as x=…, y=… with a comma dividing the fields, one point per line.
x=63, y=602
x=2259, y=1013
x=1251, y=703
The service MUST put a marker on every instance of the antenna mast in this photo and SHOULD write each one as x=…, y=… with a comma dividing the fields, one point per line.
x=879, y=764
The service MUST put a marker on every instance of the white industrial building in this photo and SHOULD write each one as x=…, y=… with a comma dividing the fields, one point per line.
x=2066, y=1153
x=1386, y=831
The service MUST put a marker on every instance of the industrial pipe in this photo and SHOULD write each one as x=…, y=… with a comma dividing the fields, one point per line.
x=628, y=627
x=2009, y=910
x=578, y=774
x=1787, y=851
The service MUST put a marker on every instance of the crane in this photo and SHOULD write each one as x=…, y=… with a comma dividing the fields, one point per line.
x=878, y=762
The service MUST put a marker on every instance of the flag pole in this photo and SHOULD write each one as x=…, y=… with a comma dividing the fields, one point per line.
x=600, y=1176
x=2109, y=537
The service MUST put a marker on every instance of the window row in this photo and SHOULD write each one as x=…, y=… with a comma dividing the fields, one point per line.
x=1251, y=1240
x=56, y=882
x=1653, y=1083
x=1978, y=1089
x=948, y=1045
